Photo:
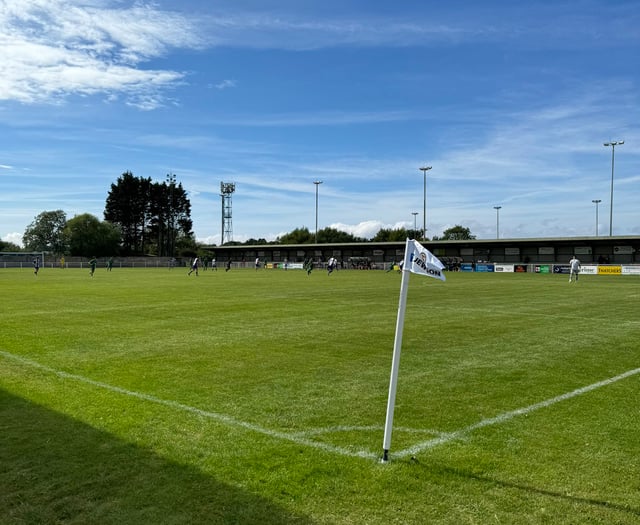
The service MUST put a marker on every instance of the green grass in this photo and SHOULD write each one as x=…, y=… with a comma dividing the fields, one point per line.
x=147, y=397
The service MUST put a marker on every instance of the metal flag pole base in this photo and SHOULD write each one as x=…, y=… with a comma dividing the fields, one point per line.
x=385, y=455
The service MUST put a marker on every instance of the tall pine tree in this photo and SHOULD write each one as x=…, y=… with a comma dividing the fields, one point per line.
x=152, y=216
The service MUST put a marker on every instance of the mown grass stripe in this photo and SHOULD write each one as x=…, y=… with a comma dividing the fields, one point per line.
x=506, y=416
x=299, y=437
x=222, y=418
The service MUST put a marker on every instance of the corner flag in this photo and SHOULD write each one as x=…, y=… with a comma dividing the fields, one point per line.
x=418, y=260
x=422, y=261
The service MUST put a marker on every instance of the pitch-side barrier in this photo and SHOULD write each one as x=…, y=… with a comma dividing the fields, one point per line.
x=585, y=269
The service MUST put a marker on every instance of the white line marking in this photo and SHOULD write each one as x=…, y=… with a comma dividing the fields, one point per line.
x=227, y=420
x=299, y=439
x=459, y=434
x=367, y=428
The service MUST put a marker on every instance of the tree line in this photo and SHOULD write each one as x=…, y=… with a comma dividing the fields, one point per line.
x=142, y=217
x=333, y=236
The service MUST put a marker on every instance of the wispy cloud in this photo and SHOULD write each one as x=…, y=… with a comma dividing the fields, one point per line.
x=50, y=49
x=225, y=84
x=419, y=24
x=324, y=118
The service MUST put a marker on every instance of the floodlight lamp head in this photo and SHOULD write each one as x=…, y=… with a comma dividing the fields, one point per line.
x=227, y=187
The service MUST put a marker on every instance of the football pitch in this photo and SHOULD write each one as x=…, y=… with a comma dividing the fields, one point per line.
x=146, y=396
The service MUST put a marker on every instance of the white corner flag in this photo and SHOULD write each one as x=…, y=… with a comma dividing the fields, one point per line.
x=419, y=260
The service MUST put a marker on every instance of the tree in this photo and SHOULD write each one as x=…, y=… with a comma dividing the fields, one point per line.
x=153, y=217
x=6, y=246
x=89, y=237
x=331, y=235
x=389, y=235
x=297, y=236
x=254, y=242
x=128, y=206
x=186, y=245
x=170, y=215
x=46, y=232
x=457, y=233
x=325, y=236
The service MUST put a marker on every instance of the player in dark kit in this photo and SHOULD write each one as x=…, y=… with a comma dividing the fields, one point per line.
x=308, y=265
x=92, y=264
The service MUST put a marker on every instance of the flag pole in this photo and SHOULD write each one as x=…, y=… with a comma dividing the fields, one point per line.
x=395, y=362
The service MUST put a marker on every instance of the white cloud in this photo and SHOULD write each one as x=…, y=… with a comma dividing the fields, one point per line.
x=367, y=229
x=209, y=240
x=225, y=84
x=14, y=237
x=50, y=49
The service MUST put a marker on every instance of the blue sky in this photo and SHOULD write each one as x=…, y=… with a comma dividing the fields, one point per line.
x=509, y=102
